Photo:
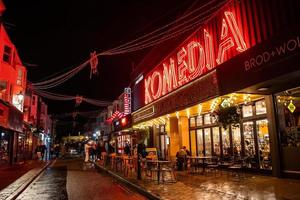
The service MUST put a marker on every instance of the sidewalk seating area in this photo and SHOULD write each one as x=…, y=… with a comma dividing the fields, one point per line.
x=216, y=180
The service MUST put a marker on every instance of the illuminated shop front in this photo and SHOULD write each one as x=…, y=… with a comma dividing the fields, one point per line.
x=241, y=64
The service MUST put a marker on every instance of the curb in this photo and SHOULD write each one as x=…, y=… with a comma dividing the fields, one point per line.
x=18, y=191
x=136, y=187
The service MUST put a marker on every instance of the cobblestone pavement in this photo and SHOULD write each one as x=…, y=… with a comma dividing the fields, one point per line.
x=226, y=186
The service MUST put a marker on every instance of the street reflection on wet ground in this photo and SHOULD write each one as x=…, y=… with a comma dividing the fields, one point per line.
x=70, y=178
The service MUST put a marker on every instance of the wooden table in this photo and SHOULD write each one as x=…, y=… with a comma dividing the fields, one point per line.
x=158, y=163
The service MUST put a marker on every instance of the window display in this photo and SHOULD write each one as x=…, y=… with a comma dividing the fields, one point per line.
x=216, y=141
x=260, y=107
x=200, y=142
x=4, y=154
x=207, y=139
x=263, y=144
x=225, y=142
x=236, y=139
x=249, y=143
x=247, y=111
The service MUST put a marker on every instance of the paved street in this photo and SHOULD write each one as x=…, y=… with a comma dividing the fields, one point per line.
x=70, y=178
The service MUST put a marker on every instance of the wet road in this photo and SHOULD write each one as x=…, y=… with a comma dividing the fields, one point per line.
x=71, y=179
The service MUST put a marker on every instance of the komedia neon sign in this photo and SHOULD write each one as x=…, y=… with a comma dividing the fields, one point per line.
x=194, y=59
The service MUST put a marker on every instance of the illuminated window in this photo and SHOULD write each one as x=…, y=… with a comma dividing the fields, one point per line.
x=20, y=76
x=199, y=120
x=7, y=54
x=260, y=107
x=192, y=122
x=247, y=111
x=207, y=119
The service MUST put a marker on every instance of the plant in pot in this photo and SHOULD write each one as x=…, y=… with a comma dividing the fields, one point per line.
x=228, y=115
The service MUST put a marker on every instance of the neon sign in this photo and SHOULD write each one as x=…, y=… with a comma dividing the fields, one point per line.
x=195, y=58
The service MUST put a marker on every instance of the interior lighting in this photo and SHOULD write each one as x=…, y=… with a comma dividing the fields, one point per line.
x=177, y=115
x=199, y=109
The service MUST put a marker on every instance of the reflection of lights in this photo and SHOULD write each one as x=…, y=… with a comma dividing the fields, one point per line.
x=2, y=134
x=20, y=97
x=188, y=113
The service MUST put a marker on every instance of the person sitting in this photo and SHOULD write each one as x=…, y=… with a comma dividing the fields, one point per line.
x=181, y=157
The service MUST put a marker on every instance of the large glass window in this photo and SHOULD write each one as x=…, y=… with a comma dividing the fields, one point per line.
x=247, y=111
x=193, y=142
x=199, y=120
x=216, y=141
x=236, y=139
x=207, y=138
x=249, y=143
x=225, y=142
x=192, y=122
x=200, y=142
x=263, y=144
x=207, y=119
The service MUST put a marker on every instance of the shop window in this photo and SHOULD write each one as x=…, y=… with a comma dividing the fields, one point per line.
x=225, y=142
x=247, y=111
x=207, y=119
x=200, y=142
x=192, y=122
x=260, y=107
x=249, y=143
x=199, y=120
x=216, y=141
x=4, y=148
x=263, y=144
x=7, y=54
x=20, y=76
x=193, y=142
x=207, y=139
x=236, y=139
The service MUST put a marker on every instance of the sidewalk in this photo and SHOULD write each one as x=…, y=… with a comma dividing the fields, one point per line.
x=217, y=186
x=16, y=176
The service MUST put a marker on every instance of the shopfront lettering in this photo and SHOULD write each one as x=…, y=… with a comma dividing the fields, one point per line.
x=195, y=58
x=280, y=50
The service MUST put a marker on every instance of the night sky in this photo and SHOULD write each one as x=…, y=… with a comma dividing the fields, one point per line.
x=57, y=35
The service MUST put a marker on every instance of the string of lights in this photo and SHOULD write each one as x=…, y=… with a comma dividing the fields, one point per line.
x=60, y=97
x=151, y=39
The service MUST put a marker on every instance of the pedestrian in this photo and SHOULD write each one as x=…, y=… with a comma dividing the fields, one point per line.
x=38, y=152
x=87, y=152
x=127, y=149
x=43, y=148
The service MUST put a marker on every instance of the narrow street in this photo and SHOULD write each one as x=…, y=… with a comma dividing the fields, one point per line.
x=70, y=178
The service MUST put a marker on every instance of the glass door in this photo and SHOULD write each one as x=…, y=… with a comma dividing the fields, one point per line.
x=249, y=144
x=263, y=144
x=225, y=142
x=236, y=139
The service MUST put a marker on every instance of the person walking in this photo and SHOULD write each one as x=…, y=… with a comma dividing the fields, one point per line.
x=87, y=152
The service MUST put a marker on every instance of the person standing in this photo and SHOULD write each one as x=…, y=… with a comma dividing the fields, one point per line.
x=43, y=148
x=86, y=150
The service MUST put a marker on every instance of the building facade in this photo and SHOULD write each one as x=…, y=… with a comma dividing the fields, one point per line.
x=229, y=90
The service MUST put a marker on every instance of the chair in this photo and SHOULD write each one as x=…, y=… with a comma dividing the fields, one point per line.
x=213, y=164
x=167, y=173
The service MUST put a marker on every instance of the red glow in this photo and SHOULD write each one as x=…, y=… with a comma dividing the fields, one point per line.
x=191, y=60
x=123, y=121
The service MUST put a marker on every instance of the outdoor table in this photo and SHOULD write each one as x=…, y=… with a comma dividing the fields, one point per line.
x=203, y=158
x=158, y=163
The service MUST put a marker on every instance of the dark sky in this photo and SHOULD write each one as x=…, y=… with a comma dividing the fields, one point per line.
x=60, y=34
